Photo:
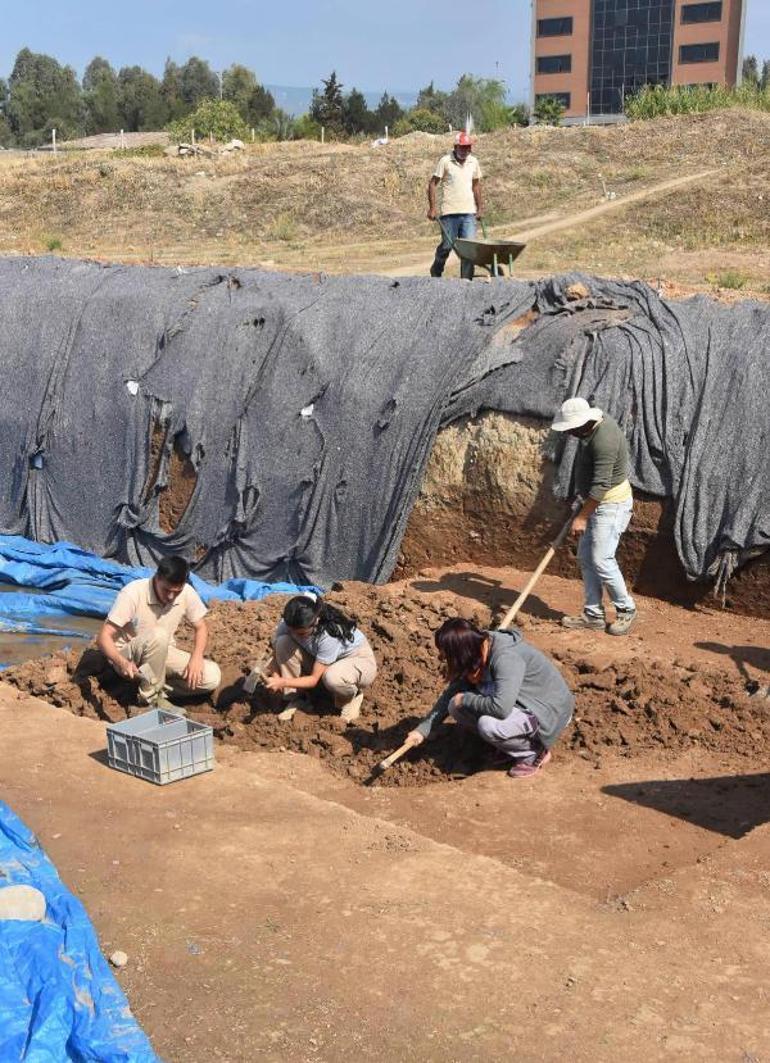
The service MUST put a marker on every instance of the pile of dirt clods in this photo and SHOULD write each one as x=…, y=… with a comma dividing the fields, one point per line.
x=630, y=706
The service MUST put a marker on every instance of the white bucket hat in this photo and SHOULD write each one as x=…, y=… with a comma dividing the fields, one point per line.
x=573, y=414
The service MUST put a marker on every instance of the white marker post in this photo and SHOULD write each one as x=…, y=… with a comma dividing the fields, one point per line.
x=53, y=140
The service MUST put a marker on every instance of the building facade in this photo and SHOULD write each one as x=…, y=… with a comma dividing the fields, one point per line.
x=592, y=54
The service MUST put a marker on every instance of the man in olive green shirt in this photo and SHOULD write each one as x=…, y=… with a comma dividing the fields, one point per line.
x=602, y=479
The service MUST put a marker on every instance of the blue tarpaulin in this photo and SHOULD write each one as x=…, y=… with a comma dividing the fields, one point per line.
x=59, y=1002
x=74, y=582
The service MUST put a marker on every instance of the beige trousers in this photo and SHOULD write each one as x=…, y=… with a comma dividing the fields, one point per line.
x=161, y=662
x=344, y=679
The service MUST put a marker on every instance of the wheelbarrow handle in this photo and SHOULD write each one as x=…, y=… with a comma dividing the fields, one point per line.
x=447, y=238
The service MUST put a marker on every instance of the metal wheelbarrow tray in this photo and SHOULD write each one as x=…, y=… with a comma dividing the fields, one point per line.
x=489, y=254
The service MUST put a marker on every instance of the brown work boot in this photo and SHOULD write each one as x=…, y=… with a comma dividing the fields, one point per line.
x=584, y=622
x=624, y=621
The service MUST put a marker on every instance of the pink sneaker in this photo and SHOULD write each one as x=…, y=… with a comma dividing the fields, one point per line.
x=526, y=771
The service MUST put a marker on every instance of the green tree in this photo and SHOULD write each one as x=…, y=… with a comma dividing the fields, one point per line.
x=421, y=120
x=519, y=114
x=328, y=107
x=388, y=112
x=240, y=86
x=483, y=99
x=197, y=81
x=171, y=90
x=6, y=137
x=306, y=128
x=750, y=71
x=764, y=81
x=278, y=126
x=261, y=105
x=101, y=97
x=549, y=110
x=42, y=95
x=219, y=119
x=142, y=105
x=432, y=99
x=357, y=117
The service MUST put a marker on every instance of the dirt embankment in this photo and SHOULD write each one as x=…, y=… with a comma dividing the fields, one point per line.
x=487, y=496
x=629, y=705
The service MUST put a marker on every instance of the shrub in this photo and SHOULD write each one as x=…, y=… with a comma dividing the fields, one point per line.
x=729, y=279
x=657, y=101
x=549, y=111
x=306, y=128
x=146, y=151
x=419, y=120
x=284, y=228
x=219, y=119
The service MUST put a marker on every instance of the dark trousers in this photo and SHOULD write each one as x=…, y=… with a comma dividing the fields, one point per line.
x=454, y=227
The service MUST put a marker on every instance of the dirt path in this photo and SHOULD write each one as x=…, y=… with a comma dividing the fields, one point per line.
x=265, y=920
x=571, y=221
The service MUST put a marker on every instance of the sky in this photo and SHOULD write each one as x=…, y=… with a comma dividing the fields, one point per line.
x=398, y=45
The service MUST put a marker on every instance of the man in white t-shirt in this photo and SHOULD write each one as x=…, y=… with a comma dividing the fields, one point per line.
x=137, y=638
x=458, y=175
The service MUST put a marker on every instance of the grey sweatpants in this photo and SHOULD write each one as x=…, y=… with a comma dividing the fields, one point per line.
x=516, y=735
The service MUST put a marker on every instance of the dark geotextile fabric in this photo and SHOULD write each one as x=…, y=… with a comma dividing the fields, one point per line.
x=308, y=405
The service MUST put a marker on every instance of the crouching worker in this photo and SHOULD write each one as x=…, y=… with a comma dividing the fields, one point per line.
x=503, y=689
x=316, y=643
x=137, y=638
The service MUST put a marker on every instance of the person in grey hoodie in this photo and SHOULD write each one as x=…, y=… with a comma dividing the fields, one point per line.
x=502, y=688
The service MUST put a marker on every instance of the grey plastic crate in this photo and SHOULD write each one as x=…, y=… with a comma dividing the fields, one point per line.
x=160, y=746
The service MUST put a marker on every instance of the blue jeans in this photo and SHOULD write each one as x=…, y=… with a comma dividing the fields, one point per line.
x=454, y=227
x=596, y=554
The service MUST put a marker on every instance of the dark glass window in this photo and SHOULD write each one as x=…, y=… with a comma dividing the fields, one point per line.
x=564, y=98
x=555, y=27
x=554, y=64
x=702, y=13
x=631, y=46
x=699, y=53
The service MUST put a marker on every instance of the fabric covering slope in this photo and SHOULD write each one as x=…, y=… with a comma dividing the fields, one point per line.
x=305, y=407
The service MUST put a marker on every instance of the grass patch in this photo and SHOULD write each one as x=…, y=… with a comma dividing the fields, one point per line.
x=284, y=228
x=541, y=178
x=53, y=243
x=658, y=101
x=730, y=279
x=146, y=151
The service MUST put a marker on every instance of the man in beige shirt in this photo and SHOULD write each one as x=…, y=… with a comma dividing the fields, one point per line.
x=137, y=638
x=458, y=175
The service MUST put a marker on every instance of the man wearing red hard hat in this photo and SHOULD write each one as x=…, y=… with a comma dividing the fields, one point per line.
x=459, y=176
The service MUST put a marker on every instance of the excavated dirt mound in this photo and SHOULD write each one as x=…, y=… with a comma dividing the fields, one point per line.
x=629, y=706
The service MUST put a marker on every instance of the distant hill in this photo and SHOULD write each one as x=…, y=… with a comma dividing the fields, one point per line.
x=296, y=100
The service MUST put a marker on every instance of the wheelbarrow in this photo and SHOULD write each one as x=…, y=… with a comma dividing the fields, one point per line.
x=492, y=255
x=488, y=254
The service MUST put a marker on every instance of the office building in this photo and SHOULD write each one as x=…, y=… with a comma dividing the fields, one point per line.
x=592, y=54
